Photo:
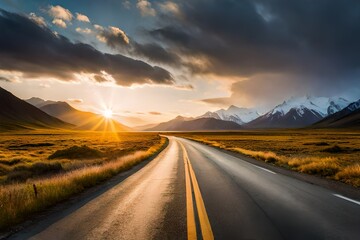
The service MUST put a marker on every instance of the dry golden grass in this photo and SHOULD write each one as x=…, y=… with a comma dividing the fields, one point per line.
x=328, y=153
x=18, y=200
x=350, y=174
x=31, y=154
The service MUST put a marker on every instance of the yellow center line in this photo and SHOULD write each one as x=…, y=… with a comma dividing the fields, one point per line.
x=191, y=227
x=205, y=226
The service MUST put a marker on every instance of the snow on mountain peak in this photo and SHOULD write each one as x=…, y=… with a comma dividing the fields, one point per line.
x=234, y=114
x=238, y=115
x=322, y=105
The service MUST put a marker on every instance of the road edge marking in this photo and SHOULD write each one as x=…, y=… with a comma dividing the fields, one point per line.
x=267, y=170
x=205, y=225
x=190, y=219
x=346, y=198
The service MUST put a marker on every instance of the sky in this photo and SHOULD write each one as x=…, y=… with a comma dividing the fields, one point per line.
x=150, y=61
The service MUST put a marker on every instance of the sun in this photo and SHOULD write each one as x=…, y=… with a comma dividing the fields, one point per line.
x=107, y=113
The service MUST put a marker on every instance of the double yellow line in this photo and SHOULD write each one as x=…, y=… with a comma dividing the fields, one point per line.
x=193, y=186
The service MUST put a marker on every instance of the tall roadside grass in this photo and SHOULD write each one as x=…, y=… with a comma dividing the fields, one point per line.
x=330, y=167
x=350, y=174
x=18, y=201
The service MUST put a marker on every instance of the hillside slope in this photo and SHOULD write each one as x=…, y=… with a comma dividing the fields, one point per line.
x=200, y=124
x=83, y=120
x=349, y=117
x=18, y=114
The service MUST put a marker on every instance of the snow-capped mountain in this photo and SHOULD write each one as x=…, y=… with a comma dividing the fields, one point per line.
x=354, y=106
x=199, y=124
x=210, y=115
x=234, y=114
x=347, y=117
x=299, y=112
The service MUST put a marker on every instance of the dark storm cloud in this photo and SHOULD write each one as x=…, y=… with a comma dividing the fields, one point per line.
x=309, y=46
x=155, y=53
x=36, y=51
x=248, y=37
x=117, y=39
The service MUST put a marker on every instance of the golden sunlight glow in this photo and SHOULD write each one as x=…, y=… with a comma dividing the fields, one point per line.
x=108, y=113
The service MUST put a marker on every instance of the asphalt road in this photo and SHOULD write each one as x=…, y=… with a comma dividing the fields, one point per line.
x=194, y=191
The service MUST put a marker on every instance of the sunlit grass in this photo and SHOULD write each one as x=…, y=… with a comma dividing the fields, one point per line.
x=18, y=201
x=350, y=174
x=71, y=149
x=330, y=154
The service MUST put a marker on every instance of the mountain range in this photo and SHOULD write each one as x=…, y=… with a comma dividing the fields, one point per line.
x=82, y=120
x=299, y=112
x=314, y=112
x=347, y=117
x=18, y=114
x=234, y=114
x=199, y=124
x=38, y=102
x=294, y=113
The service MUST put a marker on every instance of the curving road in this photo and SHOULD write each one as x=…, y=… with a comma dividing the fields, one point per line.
x=194, y=191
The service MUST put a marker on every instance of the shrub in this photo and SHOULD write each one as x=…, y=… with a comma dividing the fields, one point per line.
x=4, y=169
x=18, y=176
x=76, y=152
x=22, y=172
x=11, y=162
x=333, y=149
x=323, y=168
x=350, y=174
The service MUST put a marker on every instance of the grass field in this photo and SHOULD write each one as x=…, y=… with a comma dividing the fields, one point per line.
x=42, y=169
x=327, y=153
x=29, y=155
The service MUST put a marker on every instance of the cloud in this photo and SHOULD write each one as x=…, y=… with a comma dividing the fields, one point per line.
x=116, y=38
x=44, y=85
x=262, y=91
x=155, y=113
x=82, y=18
x=75, y=100
x=22, y=50
x=304, y=44
x=4, y=79
x=154, y=53
x=83, y=30
x=58, y=12
x=112, y=36
x=59, y=22
x=145, y=8
x=170, y=7
x=37, y=19
x=100, y=78
x=265, y=91
x=60, y=16
x=126, y=4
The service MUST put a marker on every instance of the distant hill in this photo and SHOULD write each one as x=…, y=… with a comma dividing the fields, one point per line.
x=18, y=114
x=201, y=124
x=298, y=112
x=144, y=127
x=349, y=117
x=83, y=120
x=38, y=102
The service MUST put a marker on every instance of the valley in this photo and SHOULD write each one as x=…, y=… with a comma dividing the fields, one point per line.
x=331, y=154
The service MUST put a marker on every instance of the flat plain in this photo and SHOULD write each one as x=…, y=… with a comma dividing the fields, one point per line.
x=333, y=154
